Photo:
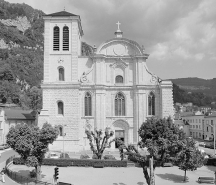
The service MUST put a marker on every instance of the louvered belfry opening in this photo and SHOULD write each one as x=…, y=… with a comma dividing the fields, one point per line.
x=65, y=38
x=56, y=38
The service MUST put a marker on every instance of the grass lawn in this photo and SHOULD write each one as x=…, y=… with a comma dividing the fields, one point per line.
x=118, y=176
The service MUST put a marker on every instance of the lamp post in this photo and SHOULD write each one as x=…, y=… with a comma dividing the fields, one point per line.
x=214, y=138
x=213, y=134
x=64, y=134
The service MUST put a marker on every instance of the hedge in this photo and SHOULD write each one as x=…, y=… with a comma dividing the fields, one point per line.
x=210, y=161
x=76, y=162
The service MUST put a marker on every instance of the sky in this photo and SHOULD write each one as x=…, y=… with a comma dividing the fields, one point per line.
x=179, y=35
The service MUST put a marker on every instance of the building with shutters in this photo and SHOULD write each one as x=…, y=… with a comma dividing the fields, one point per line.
x=86, y=87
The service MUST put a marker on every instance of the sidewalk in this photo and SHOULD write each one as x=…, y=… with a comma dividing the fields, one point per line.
x=8, y=181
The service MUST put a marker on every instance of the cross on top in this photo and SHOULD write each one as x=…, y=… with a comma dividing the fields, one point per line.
x=118, y=23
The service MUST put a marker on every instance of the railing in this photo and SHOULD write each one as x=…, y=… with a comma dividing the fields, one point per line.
x=15, y=176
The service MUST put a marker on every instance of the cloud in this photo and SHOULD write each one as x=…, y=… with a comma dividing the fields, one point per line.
x=173, y=31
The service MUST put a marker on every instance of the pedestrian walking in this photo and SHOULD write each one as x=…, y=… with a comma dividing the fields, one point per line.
x=3, y=175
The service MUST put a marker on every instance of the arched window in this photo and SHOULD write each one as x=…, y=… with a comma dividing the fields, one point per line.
x=60, y=131
x=61, y=74
x=56, y=38
x=88, y=104
x=65, y=38
x=119, y=79
x=60, y=108
x=120, y=105
x=151, y=104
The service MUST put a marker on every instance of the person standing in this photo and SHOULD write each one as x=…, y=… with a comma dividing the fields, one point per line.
x=3, y=175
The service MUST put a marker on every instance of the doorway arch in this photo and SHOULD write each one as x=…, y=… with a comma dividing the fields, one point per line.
x=121, y=130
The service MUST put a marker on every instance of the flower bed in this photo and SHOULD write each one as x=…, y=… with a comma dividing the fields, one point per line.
x=77, y=162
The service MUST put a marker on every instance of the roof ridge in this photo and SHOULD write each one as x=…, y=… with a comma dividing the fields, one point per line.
x=61, y=13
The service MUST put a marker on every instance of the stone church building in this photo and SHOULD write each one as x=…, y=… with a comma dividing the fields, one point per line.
x=86, y=87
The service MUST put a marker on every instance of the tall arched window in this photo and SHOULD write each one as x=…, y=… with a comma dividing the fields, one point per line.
x=56, y=38
x=151, y=104
x=60, y=108
x=65, y=38
x=60, y=131
x=119, y=79
x=61, y=74
x=120, y=105
x=88, y=104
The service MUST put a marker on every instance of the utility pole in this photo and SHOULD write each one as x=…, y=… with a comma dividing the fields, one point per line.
x=214, y=139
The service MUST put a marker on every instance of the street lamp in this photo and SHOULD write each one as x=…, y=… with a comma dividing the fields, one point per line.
x=64, y=134
x=214, y=134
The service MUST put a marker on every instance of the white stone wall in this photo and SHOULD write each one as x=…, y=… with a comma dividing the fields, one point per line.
x=166, y=94
x=71, y=117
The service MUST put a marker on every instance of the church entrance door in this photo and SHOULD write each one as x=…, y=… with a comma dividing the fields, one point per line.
x=119, y=134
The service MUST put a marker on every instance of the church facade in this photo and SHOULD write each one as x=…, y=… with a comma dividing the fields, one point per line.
x=109, y=87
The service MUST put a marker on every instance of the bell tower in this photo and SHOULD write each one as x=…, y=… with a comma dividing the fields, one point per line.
x=62, y=47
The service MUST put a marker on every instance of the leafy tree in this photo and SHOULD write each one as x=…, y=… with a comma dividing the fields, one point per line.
x=189, y=158
x=31, y=143
x=162, y=139
x=101, y=142
x=9, y=92
x=134, y=155
x=35, y=96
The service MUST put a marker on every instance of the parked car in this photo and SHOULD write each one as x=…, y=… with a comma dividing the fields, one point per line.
x=53, y=155
x=4, y=146
x=202, y=144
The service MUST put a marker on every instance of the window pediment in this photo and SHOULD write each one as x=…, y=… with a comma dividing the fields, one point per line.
x=119, y=63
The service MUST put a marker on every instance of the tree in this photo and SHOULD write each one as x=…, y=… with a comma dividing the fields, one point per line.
x=189, y=158
x=9, y=92
x=134, y=155
x=162, y=139
x=101, y=142
x=31, y=143
x=35, y=96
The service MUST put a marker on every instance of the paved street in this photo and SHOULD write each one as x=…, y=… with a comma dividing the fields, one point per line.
x=119, y=176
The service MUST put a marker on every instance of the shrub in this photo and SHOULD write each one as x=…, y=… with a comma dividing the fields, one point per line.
x=33, y=174
x=84, y=156
x=210, y=161
x=77, y=162
x=109, y=157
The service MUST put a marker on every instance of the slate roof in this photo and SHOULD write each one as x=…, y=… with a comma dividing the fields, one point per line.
x=16, y=114
x=62, y=13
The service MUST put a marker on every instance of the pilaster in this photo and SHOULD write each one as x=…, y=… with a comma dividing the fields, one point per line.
x=100, y=109
x=75, y=48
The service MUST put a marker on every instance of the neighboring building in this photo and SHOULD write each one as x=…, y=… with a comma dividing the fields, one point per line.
x=182, y=124
x=210, y=122
x=11, y=117
x=112, y=87
x=205, y=109
x=195, y=120
x=189, y=104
